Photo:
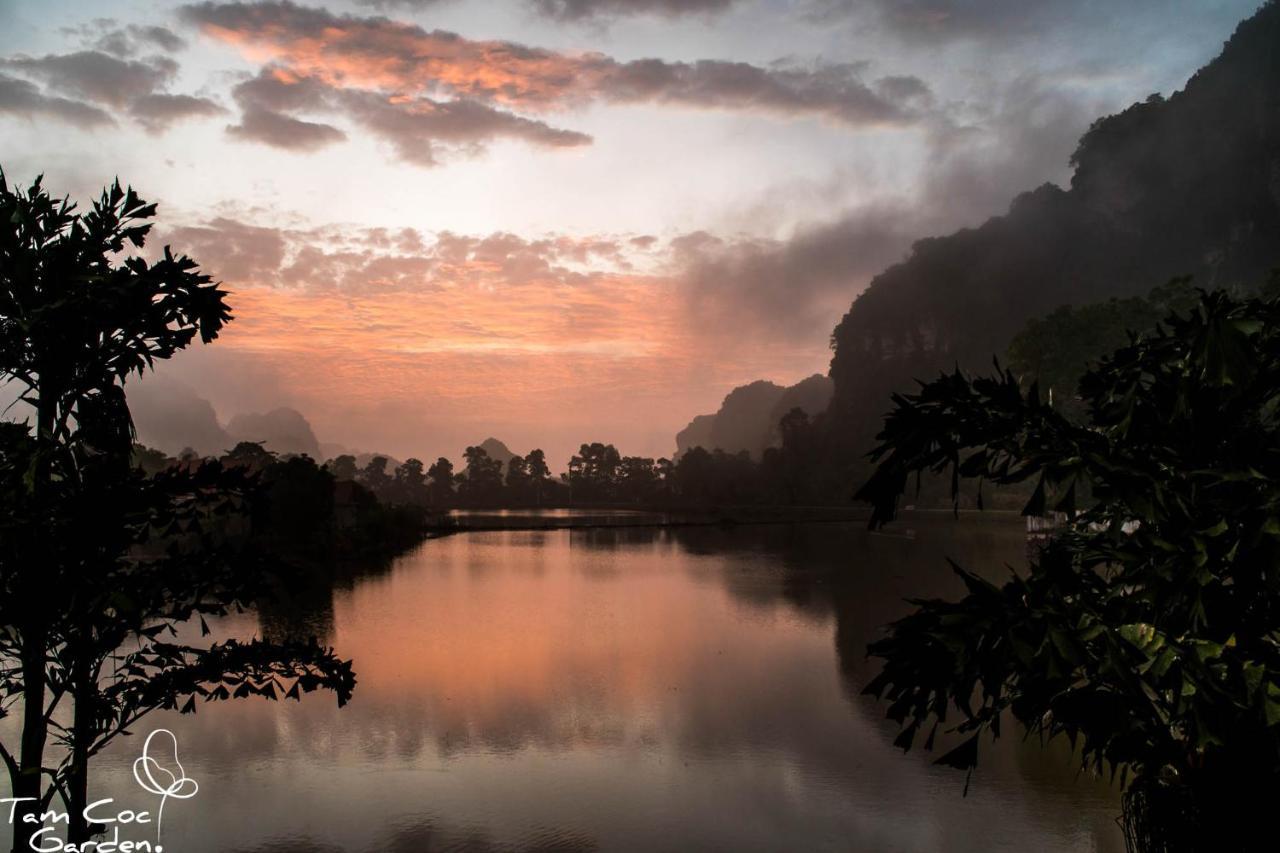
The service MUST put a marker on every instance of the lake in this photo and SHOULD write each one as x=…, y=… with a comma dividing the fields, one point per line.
x=629, y=689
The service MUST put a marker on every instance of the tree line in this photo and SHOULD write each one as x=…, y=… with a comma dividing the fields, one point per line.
x=598, y=474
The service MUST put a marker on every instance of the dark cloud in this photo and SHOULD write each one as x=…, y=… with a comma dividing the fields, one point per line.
x=791, y=290
x=116, y=43
x=575, y=10
x=1086, y=25
x=401, y=4
x=377, y=54
x=242, y=252
x=904, y=89
x=280, y=90
x=161, y=37
x=96, y=76
x=158, y=111
x=796, y=289
x=832, y=91
x=266, y=102
x=282, y=131
x=418, y=129
x=1023, y=138
x=107, y=35
x=415, y=128
x=136, y=88
x=931, y=21
x=22, y=98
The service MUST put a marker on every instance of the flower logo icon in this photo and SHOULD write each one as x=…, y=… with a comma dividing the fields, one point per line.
x=164, y=779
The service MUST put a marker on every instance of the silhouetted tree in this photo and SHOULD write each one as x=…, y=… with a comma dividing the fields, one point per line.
x=440, y=477
x=410, y=486
x=343, y=467
x=482, y=480
x=375, y=476
x=250, y=455
x=790, y=472
x=296, y=515
x=664, y=468
x=411, y=473
x=519, y=485
x=637, y=479
x=1146, y=631
x=535, y=462
x=78, y=316
x=593, y=472
x=692, y=477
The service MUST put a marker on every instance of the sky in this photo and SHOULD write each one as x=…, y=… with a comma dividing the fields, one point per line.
x=557, y=221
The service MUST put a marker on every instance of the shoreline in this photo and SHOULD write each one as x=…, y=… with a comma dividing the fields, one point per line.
x=527, y=519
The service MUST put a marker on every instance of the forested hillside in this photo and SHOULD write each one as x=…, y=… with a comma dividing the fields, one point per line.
x=1188, y=185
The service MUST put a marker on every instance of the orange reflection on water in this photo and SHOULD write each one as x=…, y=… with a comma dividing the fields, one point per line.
x=572, y=644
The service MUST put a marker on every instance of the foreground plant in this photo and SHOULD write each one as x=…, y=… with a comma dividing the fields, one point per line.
x=1148, y=630
x=101, y=565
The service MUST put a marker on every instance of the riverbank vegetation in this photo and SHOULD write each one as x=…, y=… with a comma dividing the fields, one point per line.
x=366, y=498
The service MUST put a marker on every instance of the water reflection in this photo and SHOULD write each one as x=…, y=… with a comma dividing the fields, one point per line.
x=618, y=689
x=431, y=836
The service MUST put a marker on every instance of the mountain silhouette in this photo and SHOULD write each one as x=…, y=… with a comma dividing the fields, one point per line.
x=170, y=416
x=748, y=417
x=497, y=450
x=281, y=430
x=1188, y=185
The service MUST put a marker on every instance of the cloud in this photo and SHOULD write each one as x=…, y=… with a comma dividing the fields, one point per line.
x=355, y=260
x=395, y=58
x=1021, y=139
x=136, y=88
x=157, y=111
x=836, y=92
x=417, y=128
x=499, y=293
x=22, y=98
x=797, y=288
x=577, y=10
x=107, y=35
x=792, y=289
x=940, y=20
x=402, y=4
x=283, y=131
x=1110, y=29
x=161, y=37
x=95, y=76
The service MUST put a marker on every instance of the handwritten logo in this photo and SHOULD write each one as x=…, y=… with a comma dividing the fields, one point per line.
x=155, y=778
x=158, y=771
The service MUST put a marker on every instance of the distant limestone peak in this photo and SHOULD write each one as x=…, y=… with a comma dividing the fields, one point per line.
x=748, y=417
x=281, y=430
x=497, y=450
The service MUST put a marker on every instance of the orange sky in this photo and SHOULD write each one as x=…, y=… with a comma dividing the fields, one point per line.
x=607, y=365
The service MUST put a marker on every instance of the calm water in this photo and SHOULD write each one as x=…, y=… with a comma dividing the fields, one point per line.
x=631, y=689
